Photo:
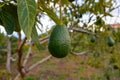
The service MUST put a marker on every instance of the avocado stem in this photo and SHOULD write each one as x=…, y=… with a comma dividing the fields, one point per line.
x=60, y=12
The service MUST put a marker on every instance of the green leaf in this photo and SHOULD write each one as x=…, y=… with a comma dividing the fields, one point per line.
x=50, y=12
x=35, y=38
x=7, y=21
x=90, y=18
x=2, y=4
x=63, y=2
x=12, y=9
x=99, y=21
x=26, y=15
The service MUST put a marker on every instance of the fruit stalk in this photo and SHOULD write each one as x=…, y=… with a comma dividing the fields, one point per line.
x=60, y=12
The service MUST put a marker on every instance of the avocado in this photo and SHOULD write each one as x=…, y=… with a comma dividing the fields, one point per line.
x=110, y=41
x=92, y=38
x=59, y=41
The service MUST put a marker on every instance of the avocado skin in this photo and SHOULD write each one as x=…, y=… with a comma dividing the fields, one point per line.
x=59, y=41
x=110, y=41
x=92, y=39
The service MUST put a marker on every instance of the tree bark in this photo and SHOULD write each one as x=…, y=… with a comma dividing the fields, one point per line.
x=24, y=62
x=20, y=53
x=8, y=56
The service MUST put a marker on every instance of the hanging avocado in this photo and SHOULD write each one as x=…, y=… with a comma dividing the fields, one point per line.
x=59, y=41
x=92, y=38
x=110, y=41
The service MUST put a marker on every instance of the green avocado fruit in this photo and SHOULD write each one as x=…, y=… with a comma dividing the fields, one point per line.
x=59, y=41
x=110, y=41
x=92, y=38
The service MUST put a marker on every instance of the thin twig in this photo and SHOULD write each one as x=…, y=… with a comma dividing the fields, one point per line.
x=83, y=31
x=60, y=6
x=38, y=63
x=43, y=40
x=8, y=56
x=81, y=53
x=27, y=56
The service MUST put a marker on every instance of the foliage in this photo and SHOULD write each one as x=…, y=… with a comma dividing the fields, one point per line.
x=26, y=15
x=23, y=15
x=24, y=12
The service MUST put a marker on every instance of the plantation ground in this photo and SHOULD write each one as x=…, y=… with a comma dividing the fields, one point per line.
x=72, y=67
x=84, y=67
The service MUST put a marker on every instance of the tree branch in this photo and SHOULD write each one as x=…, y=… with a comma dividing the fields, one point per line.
x=20, y=57
x=43, y=40
x=83, y=31
x=19, y=37
x=34, y=66
x=27, y=56
x=8, y=56
x=81, y=53
x=38, y=63
x=24, y=62
x=21, y=44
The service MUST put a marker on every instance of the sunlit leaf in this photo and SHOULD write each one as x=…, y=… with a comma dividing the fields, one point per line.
x=26, y=15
